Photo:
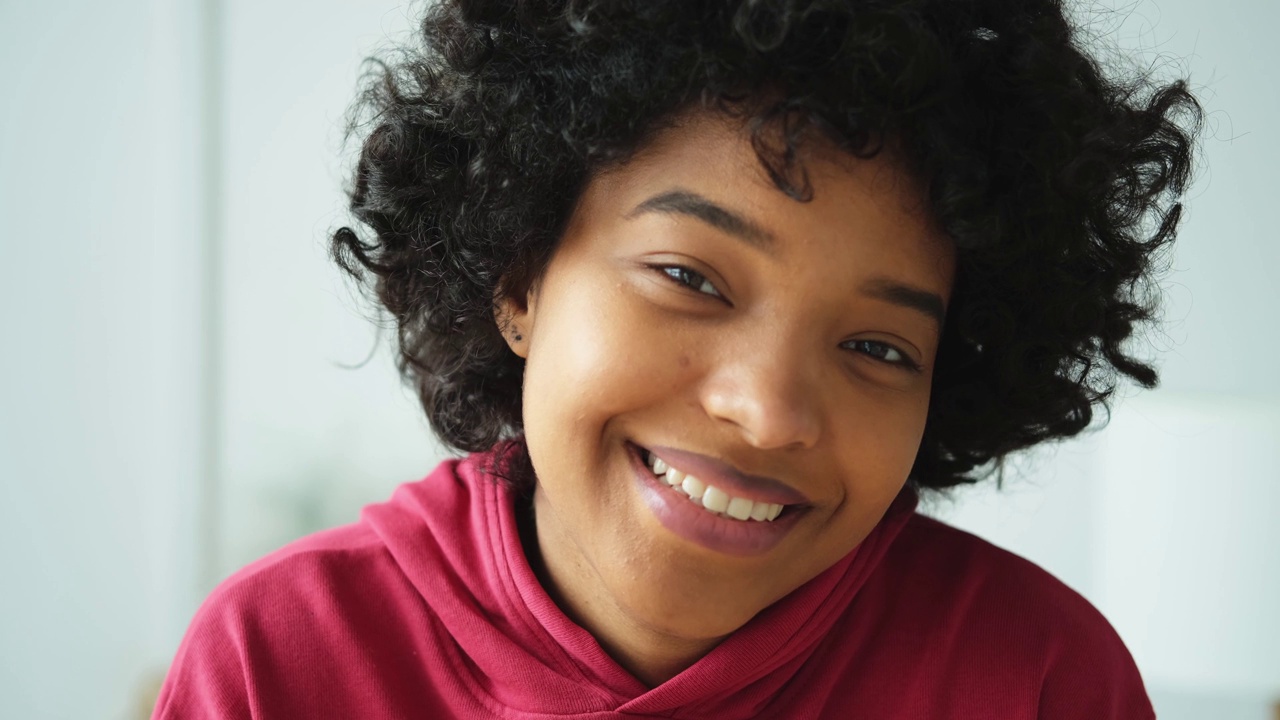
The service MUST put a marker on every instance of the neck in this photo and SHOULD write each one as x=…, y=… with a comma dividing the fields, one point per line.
x=649, y=654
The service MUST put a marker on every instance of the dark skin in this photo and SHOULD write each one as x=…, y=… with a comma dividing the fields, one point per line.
x=692, y=304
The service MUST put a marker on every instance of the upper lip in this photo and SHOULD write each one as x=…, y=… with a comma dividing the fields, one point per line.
x=728, y=478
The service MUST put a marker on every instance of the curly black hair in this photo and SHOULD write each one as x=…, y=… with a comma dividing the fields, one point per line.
x=1057, y=180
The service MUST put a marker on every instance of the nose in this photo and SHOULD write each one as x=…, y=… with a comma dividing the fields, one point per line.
x=770, y=394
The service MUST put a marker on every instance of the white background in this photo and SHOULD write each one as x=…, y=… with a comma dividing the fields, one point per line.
x=174, y=401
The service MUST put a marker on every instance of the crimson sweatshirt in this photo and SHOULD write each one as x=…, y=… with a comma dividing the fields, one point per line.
x=427, y=608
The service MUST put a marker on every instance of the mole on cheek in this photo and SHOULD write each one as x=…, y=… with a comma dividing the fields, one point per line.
x=684, y=361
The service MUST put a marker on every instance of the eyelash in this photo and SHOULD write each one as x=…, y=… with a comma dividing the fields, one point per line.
x=675, y=271
x=682, y=275
x=906, y=362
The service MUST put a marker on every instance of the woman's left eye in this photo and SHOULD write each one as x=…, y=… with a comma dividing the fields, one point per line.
x=690, y=278
x=884, y=352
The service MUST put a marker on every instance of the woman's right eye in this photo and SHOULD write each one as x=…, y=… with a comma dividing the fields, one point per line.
x=690, y=278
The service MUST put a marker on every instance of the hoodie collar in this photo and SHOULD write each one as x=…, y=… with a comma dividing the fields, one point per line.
x=455, y=536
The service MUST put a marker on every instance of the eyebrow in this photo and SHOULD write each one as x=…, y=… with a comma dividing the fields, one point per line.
x=684, y=202
x=902, y=295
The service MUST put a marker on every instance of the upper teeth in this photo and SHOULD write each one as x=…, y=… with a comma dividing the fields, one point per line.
x=711, y=497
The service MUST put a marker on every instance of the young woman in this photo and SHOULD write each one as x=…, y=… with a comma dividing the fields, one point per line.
x=713, y=292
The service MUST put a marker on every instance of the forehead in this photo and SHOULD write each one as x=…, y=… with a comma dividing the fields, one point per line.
x=862, y=213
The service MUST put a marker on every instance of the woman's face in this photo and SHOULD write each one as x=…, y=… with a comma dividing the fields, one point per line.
x=779, y=351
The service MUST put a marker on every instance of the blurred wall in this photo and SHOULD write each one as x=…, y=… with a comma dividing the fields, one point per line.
x=306, y=439
x=101, y=282
x=176, y=400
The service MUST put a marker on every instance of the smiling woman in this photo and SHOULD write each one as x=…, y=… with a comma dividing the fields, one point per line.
x=711, y=294
x=720, y=329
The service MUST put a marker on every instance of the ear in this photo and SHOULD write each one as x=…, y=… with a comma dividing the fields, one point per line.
x=513, y=313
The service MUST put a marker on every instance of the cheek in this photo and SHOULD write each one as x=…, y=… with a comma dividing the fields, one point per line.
x=876, y=447
x=594, y=356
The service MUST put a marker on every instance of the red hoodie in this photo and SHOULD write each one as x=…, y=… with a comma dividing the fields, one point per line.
x=427, y=608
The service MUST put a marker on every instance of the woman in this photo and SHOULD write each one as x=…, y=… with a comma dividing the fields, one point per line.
x=713, y=293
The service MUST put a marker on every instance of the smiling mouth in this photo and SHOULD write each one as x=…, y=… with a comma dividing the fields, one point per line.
x=710, y=498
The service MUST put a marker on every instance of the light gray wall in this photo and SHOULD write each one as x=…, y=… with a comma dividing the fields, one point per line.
x=100, y=281
x=306, y=440
x=1223, y=291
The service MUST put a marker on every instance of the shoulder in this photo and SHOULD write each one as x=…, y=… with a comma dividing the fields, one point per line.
x=287, y=608
x=304, y=573
x=982, y=579
x=283, y=629
x=957, y=560
x=1012, y=612
x=353, y=559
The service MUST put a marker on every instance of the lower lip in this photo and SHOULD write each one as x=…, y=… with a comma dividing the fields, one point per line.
x=678, y=513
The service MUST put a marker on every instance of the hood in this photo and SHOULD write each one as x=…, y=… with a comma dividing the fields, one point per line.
x=454, y=536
